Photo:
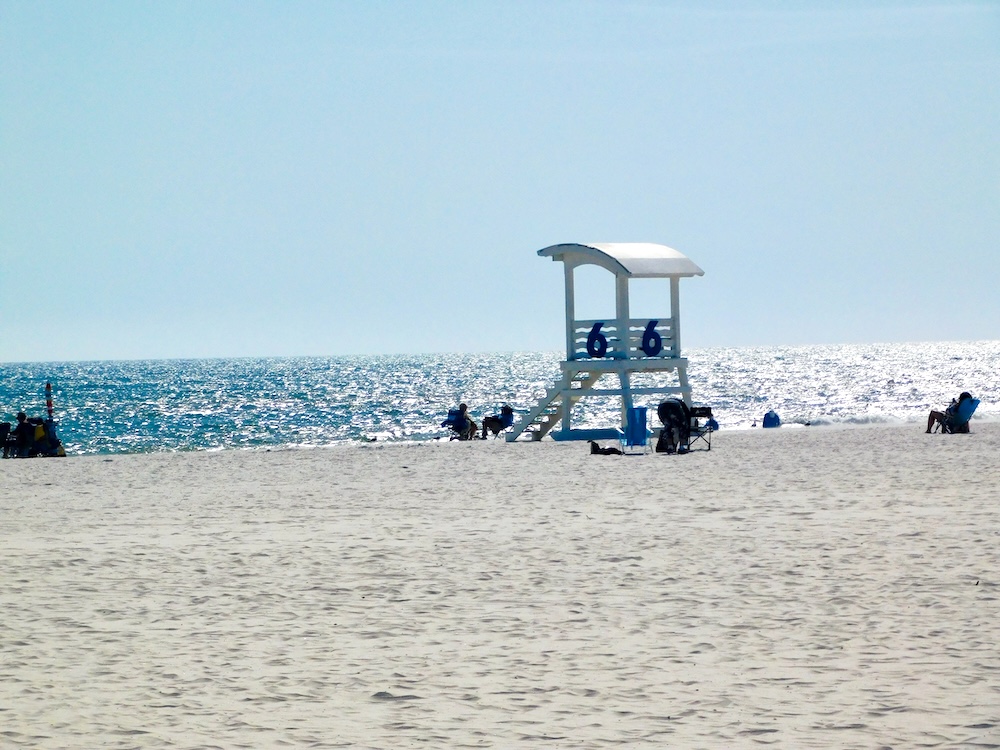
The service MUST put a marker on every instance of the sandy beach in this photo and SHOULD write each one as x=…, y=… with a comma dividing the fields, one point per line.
x=800, y=588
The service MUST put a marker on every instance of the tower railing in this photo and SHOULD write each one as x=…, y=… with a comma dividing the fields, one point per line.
x=638, y=338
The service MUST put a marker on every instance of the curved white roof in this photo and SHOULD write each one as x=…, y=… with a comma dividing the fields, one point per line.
x=633, y=259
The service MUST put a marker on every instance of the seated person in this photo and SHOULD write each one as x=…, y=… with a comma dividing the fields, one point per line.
x=497, y=422
x=942, y=417
x=461, y=423
x=23, y=436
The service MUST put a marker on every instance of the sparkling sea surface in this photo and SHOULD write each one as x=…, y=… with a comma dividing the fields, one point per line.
x=211, y=404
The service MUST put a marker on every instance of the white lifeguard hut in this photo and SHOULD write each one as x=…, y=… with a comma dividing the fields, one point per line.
x=621, y=346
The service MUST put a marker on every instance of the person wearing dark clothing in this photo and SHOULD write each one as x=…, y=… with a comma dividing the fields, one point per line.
x=23, y=436
x=941, y=417
x=676, y=433
x=498, y=422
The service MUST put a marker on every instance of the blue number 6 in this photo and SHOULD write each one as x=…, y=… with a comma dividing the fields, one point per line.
x=652, y=342
x=597, y=343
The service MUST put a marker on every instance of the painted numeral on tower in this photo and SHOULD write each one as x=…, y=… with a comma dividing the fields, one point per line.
x=597, y=342
x=652, y=342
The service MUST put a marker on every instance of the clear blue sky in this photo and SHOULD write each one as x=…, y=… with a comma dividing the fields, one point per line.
x=191, y=179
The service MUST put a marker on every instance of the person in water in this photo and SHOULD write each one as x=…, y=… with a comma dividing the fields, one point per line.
x=940, y=417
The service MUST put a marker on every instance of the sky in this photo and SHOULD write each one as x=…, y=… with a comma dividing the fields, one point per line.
x=189, y=179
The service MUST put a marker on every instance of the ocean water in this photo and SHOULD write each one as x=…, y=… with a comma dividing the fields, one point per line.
x=211, y=404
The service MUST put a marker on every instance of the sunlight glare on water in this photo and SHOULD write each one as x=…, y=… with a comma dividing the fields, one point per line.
x=166, y=405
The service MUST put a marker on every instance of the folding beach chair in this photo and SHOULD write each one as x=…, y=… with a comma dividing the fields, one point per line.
x=457, y=424
x=498, y=424
x=702, y=430
x=958, y=420
x=636, y=435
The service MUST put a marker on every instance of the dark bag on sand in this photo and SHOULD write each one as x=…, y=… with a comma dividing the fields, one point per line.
x=663, y=444
x=597, y=450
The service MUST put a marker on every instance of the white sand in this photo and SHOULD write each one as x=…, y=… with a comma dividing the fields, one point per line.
x=804, y=588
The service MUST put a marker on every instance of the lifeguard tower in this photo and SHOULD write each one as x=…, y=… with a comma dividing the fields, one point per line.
x=622, y=346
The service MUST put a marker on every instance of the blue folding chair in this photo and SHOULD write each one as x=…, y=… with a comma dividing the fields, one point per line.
x=958, y=421
x=498, y=424
x=458, y=424
x=636, y=435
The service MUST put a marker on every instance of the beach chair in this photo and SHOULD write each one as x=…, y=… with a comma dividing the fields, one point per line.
x=636, y=435
x=498, y=424
x=958, y=421
x=457, y=424
x=454, y=423
x=702, y=430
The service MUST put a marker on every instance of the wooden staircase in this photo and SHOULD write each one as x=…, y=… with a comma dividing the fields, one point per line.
x=555, y=404
x=579, y=380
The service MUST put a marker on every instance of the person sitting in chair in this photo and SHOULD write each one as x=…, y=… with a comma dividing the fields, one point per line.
x=496, y=423
x=942, y=417
x=470, y=429
x=460, y=423
x=23, y=436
